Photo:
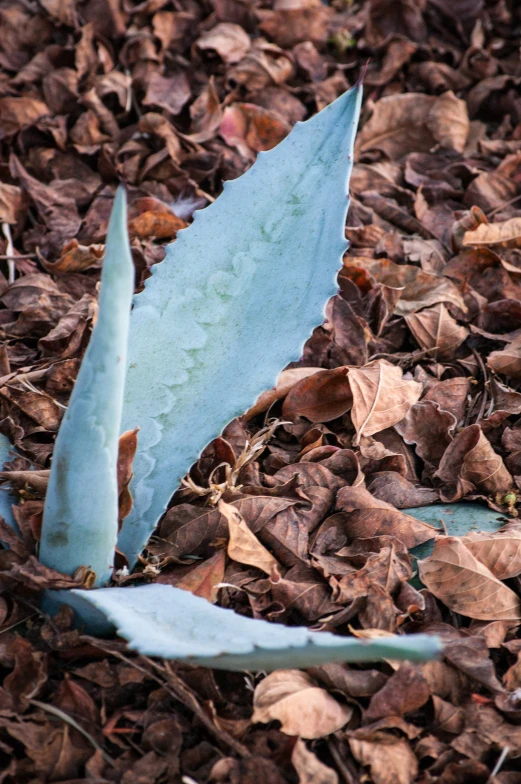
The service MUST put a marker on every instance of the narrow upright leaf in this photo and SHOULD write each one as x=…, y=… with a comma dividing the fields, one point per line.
x=237, y=295
x=6, y=497
x=81, y=507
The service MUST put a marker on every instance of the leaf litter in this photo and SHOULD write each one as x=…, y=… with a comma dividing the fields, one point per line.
x=303, y=511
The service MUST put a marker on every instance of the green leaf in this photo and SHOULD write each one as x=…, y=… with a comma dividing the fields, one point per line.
x=236, y=297
x=81, y=505
x=159, y=620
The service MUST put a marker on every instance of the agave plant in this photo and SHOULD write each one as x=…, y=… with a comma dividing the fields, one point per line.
x=232, y=304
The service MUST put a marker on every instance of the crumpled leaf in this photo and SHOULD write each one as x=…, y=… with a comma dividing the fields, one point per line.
x=309, y=768
x=389, y=758
x=508, y=360
x=251, y=128
x=303, y=708
x=230, y=41
x=505, y=234
x=456, y=577
x=320, y=397
x=285, y=382
x=414, y=122
x=75, y=258
x=436, y=331
x=381, y=397
x=500, y=552
x=367, y=516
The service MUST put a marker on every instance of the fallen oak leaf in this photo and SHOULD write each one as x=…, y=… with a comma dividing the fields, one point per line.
x=230, y=41
x=465, y=585
x=366, y=516
x=243, y=546
x=126, y=453
x=381, y=397
x=251, y=128
x=320, y=397
x=309, y=768
x=303, y=708
x=390, y=759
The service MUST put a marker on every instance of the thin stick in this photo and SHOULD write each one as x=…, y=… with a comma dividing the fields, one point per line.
x=5, y=257
x=6, y=230
x=69, y=720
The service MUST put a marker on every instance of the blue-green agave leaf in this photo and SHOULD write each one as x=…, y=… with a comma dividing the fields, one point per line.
x=7, y=499
x=159, y=620
x=81, y=506
x=236, y=297
x=459, y=519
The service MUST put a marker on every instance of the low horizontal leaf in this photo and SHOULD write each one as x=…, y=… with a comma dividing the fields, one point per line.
x=159, y=620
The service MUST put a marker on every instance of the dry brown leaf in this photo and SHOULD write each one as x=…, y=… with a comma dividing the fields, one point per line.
x=456, y=577
x=244, y=547
x=420, y=289
x=126, y=452
x=508, y=360
x=414, y=122
x=507, y=234
x=437, y=332
x=499, y=551
x=309, y=768
x=205, y=577
x=320, y=397
x=75, y=258
x=302, y=707
x=367, y=517
x=251, y=128
x=230, y=41
x=381, y=397
x=390, y=759
x=285, y=382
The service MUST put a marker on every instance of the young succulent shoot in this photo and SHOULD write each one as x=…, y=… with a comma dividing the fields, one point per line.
x=230, y=306
x=234, y=300
x=80, y=520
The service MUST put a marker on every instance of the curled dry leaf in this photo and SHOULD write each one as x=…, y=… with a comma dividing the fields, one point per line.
x=437, y=332
x=470, y=461
x=75, y=258
x=381, y=397
x=390, y=759
x=244, y=547
x=320, y=397
x=251, y=128
x=508, y=360
x=414, y=122
x=205, y=577
x=465, y=585
x=506, y=234
x=366, y=516
x=309, y=768
x=230, y=41
x=302, y=707
x=126, y=453
x=285, y=382
x=420, y=289
x=500, y=552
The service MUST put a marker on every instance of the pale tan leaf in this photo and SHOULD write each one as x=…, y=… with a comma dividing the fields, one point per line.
x=499, y=551
x=505, y=233
x=420, y=289
x=414, y=122
x=456, y=577
x=309, y=768
x=244, y=547
x=381, y=397
x=484, y=468
x=390, y=759
x=508, y=360
x=303, y=708
x=368, y=516
x=436, y=331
